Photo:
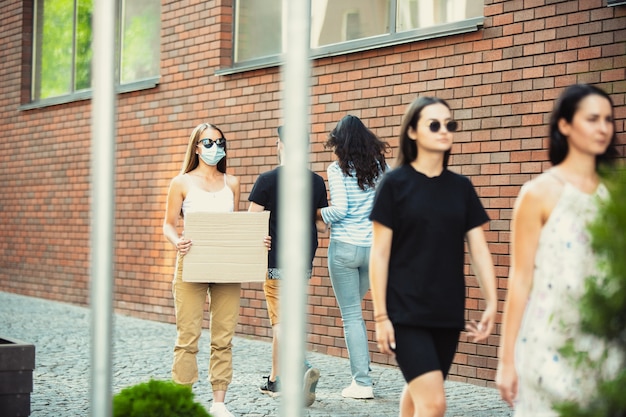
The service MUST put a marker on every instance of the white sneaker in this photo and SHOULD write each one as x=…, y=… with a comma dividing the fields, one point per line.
x=311, y=378
x=357, y=391
x=220, y=410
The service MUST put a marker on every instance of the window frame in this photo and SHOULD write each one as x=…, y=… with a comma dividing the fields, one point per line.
x=614, y=3
x=144, y=84
x=83, y=94
x=359, y=45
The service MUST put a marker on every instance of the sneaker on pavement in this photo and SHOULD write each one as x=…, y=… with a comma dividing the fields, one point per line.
x=220, y=410
x=270, y=387
x=311, y=376
x=361, y=392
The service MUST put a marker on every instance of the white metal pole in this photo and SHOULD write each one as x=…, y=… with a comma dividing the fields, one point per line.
x=102, y=200
x=295, y=207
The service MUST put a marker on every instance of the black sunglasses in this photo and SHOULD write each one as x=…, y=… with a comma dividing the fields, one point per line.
x=208, y=143
x=435, y=126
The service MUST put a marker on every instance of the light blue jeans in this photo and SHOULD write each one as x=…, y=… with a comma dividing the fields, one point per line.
x=348, y=266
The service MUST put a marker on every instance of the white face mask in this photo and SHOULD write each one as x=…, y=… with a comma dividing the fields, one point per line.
x=212, y=155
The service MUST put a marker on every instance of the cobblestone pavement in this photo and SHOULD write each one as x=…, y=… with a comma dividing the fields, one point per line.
x=143, y=349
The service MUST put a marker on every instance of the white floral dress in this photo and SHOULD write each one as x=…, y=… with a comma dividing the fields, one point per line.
x=563, y=261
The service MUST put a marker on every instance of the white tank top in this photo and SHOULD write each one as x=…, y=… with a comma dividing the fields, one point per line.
x=199, y=200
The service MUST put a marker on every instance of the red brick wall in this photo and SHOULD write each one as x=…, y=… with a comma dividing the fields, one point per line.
x=501, y=82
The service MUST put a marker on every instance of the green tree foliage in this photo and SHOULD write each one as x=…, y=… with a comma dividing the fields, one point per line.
x=141, y=40
x=603, y=306
x=610, y=401
x=57, y=47
x=157, y=399
x=65, y=47
x=63, y=44
x=84, y=52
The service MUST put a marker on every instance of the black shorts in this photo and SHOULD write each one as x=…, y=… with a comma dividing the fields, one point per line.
x=420, y=350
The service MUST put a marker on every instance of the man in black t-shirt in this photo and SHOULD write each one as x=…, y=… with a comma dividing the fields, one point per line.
x=264, y=196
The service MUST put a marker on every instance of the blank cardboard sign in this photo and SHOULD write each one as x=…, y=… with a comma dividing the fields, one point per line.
x=226, y=247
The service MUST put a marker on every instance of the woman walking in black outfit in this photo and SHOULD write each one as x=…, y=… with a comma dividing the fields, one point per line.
x=422, y=216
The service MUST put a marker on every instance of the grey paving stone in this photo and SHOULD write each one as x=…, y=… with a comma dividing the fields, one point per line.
x=143, y=349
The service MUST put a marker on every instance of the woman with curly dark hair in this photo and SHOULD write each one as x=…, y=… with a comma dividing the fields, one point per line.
x=352, y=179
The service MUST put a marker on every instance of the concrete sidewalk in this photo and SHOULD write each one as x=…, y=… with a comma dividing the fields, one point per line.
x=143, y=350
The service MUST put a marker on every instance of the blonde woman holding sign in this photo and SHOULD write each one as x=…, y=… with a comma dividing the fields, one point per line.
x=203, y=186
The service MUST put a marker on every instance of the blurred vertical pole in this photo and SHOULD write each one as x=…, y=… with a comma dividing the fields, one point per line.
x=102, y=203
x=295, y=207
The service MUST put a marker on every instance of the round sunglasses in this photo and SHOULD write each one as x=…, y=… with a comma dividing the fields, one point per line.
x=208, y=143
x=435, y=126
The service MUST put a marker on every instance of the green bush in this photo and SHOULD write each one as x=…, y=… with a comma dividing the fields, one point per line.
x=603, y=306
x=157, y=399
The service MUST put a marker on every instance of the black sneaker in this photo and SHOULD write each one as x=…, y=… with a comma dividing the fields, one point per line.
x=311, y=376
x=270, y=387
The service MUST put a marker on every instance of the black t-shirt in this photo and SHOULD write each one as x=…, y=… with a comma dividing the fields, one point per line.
x=429, y=218
x=265, y=193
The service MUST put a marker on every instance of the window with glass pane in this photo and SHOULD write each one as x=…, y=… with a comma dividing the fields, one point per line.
x=62, y=47
x=62, y=44
x=334, y=22
x=258, y=29
x=141, y=40
x=339, y=21
x=418, y=14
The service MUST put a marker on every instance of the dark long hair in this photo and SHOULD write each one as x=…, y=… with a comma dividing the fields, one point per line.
x=565, y=108
x=359, y=151
x=408, y=147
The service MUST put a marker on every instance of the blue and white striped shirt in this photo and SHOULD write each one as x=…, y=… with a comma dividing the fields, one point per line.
x=348, y=214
